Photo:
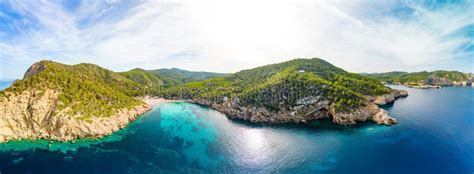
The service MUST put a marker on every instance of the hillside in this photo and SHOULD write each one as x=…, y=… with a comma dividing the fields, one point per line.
x=105, y=91
x=150, y=82
x=155, y=80
x=175, y=76
x=437, y=78
x=58, y=101
x=273, y=93
x=143, y=77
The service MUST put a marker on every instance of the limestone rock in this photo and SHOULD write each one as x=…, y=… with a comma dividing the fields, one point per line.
x=382, y=117
x=34, y=69
x=389, y=98
x=29, y=115
x=307, y=109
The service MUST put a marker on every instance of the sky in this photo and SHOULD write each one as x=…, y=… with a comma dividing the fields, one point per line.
x=229, y=36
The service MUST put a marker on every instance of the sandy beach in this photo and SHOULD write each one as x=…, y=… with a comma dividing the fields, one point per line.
x=155, y=101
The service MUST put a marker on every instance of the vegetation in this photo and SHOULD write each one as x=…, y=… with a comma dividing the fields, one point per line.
x=89, y=90
x=143, y=77
x=86, y=89
x=150, y=82
x=418, y=77
x=282, y=85
x=175, y=76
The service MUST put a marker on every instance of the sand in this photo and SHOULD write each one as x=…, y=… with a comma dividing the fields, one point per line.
x=154, y=101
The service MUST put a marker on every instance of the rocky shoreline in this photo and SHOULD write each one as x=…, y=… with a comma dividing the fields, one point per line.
x=31, y=116
x=423, y=86
x=434, y=83
x=308, y=111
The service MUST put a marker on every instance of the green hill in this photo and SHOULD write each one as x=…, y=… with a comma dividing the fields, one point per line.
x=86, y=89
x=151, y=82
x=282, y=85
x=439, y=77
x=143, y=77
x=90, y=90
x=175, y=76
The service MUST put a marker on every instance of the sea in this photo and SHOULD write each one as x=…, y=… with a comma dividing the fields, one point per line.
x=5, y=84
x=434, y=134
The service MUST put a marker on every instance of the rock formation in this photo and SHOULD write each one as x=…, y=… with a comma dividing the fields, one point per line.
x=308, y=109
x=388, y=98
x=33, y=115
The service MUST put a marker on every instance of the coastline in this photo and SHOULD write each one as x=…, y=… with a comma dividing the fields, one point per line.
x=157, y=101
x=69, y=128
x=430, y=86
x=424, y=86
x=307, y=112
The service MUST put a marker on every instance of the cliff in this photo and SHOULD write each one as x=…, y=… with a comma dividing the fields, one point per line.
x=64, y=102
x=308, y=109
x=29, y=115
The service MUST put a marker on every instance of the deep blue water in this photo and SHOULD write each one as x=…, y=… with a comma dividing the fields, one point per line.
x=435, y=134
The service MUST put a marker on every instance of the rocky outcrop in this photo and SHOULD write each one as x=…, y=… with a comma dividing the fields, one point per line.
x=297, y=114
x=366, y=113
x=34, y=115
x=309, y=108
x=424, y=87
x=382, y=117
x=388, y=98
x=438, y=81
x=34, y=69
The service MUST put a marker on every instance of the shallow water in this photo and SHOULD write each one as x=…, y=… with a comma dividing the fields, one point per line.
x=435, y=134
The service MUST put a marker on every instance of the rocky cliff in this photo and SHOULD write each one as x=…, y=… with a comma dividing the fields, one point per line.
x=388, y=98
x=56, y=101
x=34, y=115
x=309, y=108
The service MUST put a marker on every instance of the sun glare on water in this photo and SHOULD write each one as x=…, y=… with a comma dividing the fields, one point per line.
x=254, y=139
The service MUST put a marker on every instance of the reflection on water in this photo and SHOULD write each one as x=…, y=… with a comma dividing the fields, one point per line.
x=253, y=139
x=435, y=134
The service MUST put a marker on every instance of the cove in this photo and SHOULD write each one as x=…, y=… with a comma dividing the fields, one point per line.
x=435, y=134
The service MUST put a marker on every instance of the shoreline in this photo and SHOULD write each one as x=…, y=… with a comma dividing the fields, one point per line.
x=72, y=129
x=424, y=86
x=123, y=119
x=232, y=110
x=157, y=101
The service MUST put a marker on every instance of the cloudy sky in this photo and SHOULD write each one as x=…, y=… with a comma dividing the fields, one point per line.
x=228, y=36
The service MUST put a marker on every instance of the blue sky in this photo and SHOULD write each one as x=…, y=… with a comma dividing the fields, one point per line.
x=228, y=36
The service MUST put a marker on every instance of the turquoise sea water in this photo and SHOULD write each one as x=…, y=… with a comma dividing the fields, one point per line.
x=435, y=134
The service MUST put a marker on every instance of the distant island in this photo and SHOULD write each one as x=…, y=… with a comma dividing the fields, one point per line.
x=64, y=102
x=424, y=79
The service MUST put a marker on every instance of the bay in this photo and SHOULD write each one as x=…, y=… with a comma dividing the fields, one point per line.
x=435, y=134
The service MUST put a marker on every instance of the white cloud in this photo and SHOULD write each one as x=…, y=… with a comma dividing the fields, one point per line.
x=227, y=36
